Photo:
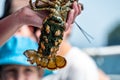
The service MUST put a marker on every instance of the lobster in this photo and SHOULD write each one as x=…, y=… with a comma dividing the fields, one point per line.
x=51, y=34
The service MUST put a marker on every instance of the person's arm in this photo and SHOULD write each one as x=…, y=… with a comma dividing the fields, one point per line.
x=102, y=75
x=10, y=24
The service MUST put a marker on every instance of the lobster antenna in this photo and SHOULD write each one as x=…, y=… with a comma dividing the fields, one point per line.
x=84, y=33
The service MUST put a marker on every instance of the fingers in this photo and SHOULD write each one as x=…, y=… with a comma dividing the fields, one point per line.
x=37, y=22
x=70, y=19
x=77, y=8
x=81, y=6
x=27, y=16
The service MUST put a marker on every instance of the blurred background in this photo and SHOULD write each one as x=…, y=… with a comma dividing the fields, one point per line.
x=100, y=19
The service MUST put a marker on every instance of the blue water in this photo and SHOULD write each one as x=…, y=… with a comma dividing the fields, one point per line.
x=109, y=64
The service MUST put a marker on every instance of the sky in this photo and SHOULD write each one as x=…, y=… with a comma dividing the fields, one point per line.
x=97, y=19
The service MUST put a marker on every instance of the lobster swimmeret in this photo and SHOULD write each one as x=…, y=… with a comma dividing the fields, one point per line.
x=51, y=34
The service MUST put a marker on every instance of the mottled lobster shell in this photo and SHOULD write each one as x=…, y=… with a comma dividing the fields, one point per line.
x=51, y=34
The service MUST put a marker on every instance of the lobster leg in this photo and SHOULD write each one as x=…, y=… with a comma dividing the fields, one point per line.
x=49, y=2
x=31, y=5
x=33, y=57
x=40, y=6
x=66, y=5
x=36, y=3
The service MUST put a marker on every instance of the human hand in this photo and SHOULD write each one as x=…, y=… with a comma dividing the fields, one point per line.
x=76, y=10
x=26, y=16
